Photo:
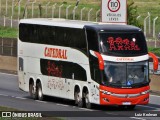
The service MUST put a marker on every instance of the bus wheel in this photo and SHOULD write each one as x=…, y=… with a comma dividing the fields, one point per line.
x=78, y=98
x=32, y=92
x=87, y=101
x=131, y=107
x=39, y=92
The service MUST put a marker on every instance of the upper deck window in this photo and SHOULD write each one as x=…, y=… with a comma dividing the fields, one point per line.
x=53, y=35
x=123, y=44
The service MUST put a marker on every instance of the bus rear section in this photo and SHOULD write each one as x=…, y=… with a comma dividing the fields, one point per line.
x=119, y=63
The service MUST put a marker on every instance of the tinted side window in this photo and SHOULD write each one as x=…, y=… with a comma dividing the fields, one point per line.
x=92, y=40
x=94, y=69
x=23, y=32
x=63, y=69
x=21, y=64
x=45, y=35
x=52, y=35
x=29, y=33
x=59, y=36
x=76, y=38
x=81, y=40
x=93, y=61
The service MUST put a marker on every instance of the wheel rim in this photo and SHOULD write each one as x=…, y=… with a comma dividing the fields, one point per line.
x=31, y=90
x=77, y=97
x=88, y=105
x=87, y=99
x=39, y=92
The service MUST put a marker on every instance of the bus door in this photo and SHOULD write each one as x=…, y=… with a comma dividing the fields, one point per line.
x=21, y=73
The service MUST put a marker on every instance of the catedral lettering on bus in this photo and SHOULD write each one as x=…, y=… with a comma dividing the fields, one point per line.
x=55, y=53
x=125, y=59
x=90, y=63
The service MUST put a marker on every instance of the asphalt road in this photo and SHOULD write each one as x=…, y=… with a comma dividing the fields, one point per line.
x=11, y=96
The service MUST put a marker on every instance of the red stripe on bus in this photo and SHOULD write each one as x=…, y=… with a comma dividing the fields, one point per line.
x=100, y=60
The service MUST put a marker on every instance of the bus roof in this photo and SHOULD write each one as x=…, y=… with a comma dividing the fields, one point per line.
x=113, y=27
x=57, y=22
x=80, y=24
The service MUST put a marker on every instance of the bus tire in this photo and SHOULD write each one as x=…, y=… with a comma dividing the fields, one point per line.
x=87, y=101
x=78, y=98
x=32, y=92
x=39, y=92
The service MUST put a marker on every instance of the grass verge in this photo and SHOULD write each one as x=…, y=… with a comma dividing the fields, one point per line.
x=154, y=50
x=8, y=32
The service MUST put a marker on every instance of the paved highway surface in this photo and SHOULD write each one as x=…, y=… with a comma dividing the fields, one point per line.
x=11, y=96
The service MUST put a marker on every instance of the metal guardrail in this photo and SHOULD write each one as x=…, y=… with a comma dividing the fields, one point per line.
x=153, y=43
x=8, y=47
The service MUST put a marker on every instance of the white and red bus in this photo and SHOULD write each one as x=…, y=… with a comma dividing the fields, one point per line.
x=90, y=63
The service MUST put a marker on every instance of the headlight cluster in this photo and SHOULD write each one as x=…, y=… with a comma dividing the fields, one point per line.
x=105, y=92
x=145, y=92
x=109, y=93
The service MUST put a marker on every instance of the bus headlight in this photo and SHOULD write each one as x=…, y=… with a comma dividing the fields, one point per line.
x=145, y=92
x=105, y=92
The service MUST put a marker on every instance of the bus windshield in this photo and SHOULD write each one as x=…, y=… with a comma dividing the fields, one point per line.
x=123, y=44
x=125, y=74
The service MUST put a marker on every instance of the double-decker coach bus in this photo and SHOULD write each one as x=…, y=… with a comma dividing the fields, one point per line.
x=90, y=63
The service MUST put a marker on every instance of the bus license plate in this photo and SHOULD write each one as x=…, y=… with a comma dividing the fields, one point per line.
x=126, y=103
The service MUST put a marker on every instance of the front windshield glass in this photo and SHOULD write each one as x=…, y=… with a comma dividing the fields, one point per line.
x=123, y=44
x=125, y=74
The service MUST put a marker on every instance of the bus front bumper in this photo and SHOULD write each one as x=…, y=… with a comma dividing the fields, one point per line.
x=139, y=96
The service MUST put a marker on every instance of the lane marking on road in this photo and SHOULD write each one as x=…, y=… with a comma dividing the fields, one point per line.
x=155, y=96
x=137, y=118
x=40, y=101
x=8, y=74
x=13, y=97
x=21, y=98
x=111, y=113
x=4, y=95
x=86, y=109
x=62, y=105
x=74, y=107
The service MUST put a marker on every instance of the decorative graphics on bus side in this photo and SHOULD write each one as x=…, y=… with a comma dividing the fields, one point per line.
x=55, y=53
x=55, y=83
x=63, y=69
x=54, y=70
x=120, y=44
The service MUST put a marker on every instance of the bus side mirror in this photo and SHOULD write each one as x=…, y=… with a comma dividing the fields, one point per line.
x=155, y=61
